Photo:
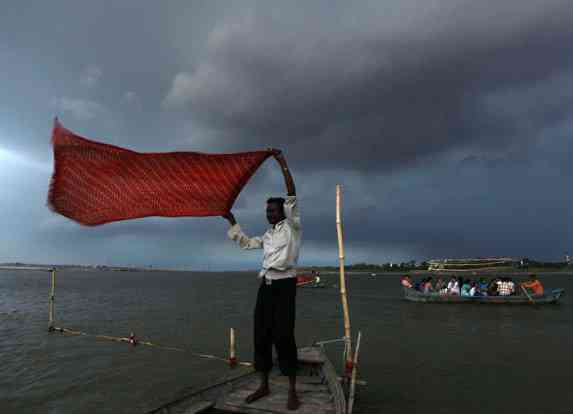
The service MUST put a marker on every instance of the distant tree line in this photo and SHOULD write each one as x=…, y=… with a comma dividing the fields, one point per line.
x=523, y=264
x=385, y=267
x=526, y=263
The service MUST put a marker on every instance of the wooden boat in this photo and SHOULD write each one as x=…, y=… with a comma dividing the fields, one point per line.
x=318, y=389
x=550, y=296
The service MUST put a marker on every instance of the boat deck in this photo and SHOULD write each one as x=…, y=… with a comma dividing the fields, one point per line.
x=312, y=391
x=318, y=390
x=313, y=394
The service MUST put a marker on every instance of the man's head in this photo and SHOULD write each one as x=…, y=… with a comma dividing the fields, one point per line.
x=275, y=210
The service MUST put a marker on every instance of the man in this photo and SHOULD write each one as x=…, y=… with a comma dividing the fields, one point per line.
x=275, y=308
x=534, y=285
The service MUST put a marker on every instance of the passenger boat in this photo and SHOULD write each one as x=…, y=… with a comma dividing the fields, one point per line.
x=550, y=297
x=318, y=389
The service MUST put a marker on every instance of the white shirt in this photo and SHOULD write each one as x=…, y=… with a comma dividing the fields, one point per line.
x=280, y=243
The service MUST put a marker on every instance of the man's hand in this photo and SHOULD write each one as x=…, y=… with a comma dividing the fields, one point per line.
x=277, y=153
x=230, y=218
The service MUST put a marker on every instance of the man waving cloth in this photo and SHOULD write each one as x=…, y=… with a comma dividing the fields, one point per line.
x=275, y=307
x=95, y=183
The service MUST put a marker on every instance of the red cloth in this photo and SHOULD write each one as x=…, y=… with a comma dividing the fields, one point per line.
x=95, y=183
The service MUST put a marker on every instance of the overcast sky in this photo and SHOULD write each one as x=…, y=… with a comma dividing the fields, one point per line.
x=448, y=122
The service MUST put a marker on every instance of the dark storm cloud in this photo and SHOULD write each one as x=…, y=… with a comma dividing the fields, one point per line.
x=372, y=97
x=449, y=123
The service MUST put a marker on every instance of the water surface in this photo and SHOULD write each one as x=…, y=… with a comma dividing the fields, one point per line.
x=416, y=358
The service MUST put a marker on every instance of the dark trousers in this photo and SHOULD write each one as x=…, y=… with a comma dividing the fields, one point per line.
x=274, y=324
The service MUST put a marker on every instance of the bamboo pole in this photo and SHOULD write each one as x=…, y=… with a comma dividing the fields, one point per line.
x=52, y=298
x=348, y=347
x=353, y=381
x=232, y=350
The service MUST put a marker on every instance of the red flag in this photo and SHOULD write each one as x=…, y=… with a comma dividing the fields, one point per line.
x=95, y=183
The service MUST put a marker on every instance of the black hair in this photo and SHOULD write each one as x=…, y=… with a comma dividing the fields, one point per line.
x=277, y=200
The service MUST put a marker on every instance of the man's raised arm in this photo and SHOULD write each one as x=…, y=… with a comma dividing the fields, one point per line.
x=289, y=182
x=290, y=205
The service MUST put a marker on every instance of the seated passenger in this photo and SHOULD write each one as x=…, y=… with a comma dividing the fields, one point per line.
x=427, y=287
x=511, y=285
x=505, y=287
x=534, y=286
x=474, y=289
x=482, y=284
x=407, y=282
x=466, y=288
x=450, y=285
x=454, y=287
x=492, y=289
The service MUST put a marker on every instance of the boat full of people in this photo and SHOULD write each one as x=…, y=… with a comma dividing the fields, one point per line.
x=462, y=289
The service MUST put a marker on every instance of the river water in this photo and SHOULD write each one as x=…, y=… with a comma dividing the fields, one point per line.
x=416, y=358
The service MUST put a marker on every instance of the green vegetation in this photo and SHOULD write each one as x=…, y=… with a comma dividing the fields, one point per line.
x=524, y=265
x=369, y=267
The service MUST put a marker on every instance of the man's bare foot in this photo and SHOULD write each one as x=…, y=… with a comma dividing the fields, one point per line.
x=293, y=403
x=261, y=392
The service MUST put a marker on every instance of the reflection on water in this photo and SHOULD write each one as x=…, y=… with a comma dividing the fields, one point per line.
x=416, y=357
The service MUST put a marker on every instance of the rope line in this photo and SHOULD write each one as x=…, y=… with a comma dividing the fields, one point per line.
x=132, y=340
x=343, y=339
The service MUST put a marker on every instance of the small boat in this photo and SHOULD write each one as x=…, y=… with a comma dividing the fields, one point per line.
x=318, y=389
x=550, y=296
x=312, y=280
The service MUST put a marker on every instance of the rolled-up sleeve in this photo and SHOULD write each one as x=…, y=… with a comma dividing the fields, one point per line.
x=236, y=234
x=291, y=211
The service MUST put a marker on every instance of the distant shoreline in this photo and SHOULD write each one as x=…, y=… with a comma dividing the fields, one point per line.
x=328, y=271
x=47, y=267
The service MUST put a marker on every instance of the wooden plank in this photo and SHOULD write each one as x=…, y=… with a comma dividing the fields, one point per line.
x=199, y=407
x=277, y=401
x=311, y=355
x=303, y=409
x=334, y=385
x=323, y=396
x=282, y=390
x=306, y=388
x=302, y=379
x=301, y=386
x=274, y=398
